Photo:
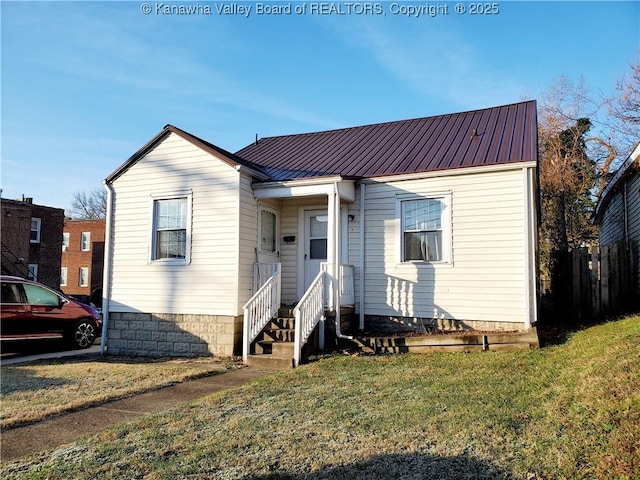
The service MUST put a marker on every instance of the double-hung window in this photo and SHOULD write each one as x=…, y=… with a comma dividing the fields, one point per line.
x=85, y=241
x=171, y=234
x=83, y=277
x=66, y=240
x=35, y=230
x=268, y=231
x=33, y=272
x=426, y=229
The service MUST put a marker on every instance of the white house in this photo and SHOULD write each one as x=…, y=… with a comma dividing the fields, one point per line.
x=415, y=224
x=618, y=212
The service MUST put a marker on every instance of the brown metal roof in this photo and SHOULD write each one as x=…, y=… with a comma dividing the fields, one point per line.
x=491, y=136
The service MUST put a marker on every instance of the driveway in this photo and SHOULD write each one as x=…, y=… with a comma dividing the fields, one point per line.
x=28, y=355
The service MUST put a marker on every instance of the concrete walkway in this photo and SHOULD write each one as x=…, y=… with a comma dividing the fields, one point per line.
x=10, y=359
x=56, y=431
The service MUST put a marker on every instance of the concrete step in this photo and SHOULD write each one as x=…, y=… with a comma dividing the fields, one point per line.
x=285, y=312
x=278, y=334
x=281, y=322
x=270, y=362
x=275, y=348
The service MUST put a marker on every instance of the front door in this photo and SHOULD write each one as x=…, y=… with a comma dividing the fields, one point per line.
x=315, y=243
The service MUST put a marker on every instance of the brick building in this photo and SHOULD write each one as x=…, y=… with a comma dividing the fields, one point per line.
x=31, y=240
x=83, y=259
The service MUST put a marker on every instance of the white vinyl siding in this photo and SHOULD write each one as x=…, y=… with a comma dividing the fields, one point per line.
x=612, y=224
x=249, y=234
x=486, y=280
x=208, y=284
x=289, y=218
x=611, y=228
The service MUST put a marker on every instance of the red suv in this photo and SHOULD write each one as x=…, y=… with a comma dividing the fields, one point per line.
x=31, y=311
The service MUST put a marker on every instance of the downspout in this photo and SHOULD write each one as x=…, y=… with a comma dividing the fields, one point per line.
x=362, y=237
x=336, y=260
x=625, y=213
x=106, y=274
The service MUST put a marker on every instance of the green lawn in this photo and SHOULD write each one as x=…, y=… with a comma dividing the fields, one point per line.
x=568, y=411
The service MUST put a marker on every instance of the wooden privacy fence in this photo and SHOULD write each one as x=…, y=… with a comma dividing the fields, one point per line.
x=604, y=280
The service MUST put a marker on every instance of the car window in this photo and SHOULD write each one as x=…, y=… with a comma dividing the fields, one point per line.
x=40, y=296
x=10, y=293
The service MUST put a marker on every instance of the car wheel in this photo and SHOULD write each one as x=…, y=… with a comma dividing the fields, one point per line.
x=84, y=334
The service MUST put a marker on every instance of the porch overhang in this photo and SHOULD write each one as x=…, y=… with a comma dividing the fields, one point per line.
x=307, y=187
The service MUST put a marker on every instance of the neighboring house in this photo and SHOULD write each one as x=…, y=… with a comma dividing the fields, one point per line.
x=31, y=240
x=416, y=224
x=618, y=210
x=83, y=259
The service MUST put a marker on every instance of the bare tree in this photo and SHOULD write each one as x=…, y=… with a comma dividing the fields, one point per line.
x=89, y=206
x=623, y=108
x=568, y=173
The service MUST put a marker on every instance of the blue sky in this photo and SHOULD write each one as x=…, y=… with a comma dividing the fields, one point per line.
x=86, y=84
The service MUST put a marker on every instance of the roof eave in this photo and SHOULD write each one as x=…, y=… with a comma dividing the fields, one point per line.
x=218, y=152
x=630, y=165
x=446, y=172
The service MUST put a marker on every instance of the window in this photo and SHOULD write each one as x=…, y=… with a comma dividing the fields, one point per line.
x=83, y=277
x=63, y=277
x=35, y=230
x=40, y=296
x=425, y=229
x=171, y=235
x=85, y=241
x=268, y=231
x=318, y=225
x=11, y=293
x=66, y=237
x=33, y=272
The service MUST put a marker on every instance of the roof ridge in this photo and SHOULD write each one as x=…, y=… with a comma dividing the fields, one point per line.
x=375, y=124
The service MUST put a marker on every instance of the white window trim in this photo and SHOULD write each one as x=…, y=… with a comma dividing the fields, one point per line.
x=39, y=223
x=66, y=241
x=33, y=271
x=275, y=212
x=447, y=237
x=88, y=249
x=188, y=194
x=80, y=284
x=64, y=275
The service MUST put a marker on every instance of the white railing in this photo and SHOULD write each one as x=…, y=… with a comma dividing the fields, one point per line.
x=309, y=312
x=260, y=309
x=263, y=272
x=347, y=288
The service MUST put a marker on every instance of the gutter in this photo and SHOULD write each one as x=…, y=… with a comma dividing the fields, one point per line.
x=362, y=256
x=106, y=275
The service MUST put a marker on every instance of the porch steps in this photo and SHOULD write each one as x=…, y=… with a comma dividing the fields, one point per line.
x=274, y=347
x=460, y=342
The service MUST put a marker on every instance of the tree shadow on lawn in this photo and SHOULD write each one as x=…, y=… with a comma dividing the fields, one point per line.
x=397, y=466
x=26, y=381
